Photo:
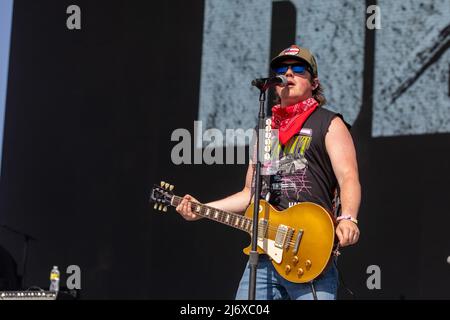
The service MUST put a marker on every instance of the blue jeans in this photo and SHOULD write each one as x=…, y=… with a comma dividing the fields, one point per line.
x=271, y=286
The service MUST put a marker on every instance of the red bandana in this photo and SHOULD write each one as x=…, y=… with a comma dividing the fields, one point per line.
x=289, y=120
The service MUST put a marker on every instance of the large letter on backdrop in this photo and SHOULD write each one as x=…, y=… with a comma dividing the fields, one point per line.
x=236, y=48
x=334, y=31
x=412, y=61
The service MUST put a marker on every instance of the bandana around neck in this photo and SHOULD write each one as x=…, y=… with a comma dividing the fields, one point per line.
x=289, y=120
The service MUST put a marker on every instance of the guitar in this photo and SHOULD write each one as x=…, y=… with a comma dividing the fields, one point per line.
x=299, y=240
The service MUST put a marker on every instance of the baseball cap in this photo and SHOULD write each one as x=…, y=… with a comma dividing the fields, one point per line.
x=296, y=53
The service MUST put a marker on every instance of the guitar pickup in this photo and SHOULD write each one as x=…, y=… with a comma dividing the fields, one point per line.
x=262, y=229
x=280, y=238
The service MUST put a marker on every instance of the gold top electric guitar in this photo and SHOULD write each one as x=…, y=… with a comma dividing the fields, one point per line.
x=299, y=240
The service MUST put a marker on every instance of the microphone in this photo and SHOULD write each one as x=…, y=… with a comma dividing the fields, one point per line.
x=265, y=83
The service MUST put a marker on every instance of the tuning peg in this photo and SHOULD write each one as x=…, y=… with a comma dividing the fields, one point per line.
x=155, y=206
x=160, y=207
x=162, y=184
x=165, y=209
x=167, y=185
x=171, y=187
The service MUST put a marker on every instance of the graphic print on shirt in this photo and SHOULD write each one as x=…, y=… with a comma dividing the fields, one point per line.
x=288, y=167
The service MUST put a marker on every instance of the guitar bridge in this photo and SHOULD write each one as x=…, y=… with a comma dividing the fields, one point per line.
x=289, y=236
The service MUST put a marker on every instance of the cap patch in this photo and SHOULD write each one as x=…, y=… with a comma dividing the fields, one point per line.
x=292, y=51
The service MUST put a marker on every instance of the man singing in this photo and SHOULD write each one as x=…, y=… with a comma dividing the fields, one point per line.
x=317, y=161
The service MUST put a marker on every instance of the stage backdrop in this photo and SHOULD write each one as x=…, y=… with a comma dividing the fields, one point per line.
x=90, y=114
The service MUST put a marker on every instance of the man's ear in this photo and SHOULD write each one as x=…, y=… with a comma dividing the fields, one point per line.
x=315, y=83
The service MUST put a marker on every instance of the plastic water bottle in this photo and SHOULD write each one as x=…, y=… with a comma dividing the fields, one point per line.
x=54, y=279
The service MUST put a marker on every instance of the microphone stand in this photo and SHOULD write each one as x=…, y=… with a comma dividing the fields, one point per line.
x=253, y=256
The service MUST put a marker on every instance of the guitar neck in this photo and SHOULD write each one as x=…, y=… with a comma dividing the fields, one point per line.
x=232, y=219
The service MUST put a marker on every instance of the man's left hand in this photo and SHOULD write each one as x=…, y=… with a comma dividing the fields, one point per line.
x=347, y=233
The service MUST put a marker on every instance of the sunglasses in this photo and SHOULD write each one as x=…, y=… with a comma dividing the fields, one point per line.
x=296, y=68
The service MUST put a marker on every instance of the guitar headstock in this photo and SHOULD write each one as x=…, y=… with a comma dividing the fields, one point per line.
x=162, y=196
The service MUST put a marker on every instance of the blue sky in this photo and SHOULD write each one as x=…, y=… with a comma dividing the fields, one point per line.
x=6, y=9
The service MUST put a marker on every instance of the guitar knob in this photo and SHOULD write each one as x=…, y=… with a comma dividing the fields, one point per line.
x=162, y=184
x=308, y=264
x=288, y=269
x=300, y=272
x=165, y=209
x=166, y=185
x=295, y=260
x=171, y=187
x=160, y=207
x=155, y=206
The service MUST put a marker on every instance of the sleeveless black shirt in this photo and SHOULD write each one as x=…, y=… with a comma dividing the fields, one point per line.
x=302, y=170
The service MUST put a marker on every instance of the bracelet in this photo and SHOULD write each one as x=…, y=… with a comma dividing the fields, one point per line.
x=347, y=217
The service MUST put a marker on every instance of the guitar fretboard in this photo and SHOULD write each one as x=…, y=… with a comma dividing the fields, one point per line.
x=232, y=219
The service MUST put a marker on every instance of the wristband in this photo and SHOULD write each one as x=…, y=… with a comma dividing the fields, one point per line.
x=347, y=217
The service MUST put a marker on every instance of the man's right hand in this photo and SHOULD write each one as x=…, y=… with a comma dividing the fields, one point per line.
x=184, y=208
